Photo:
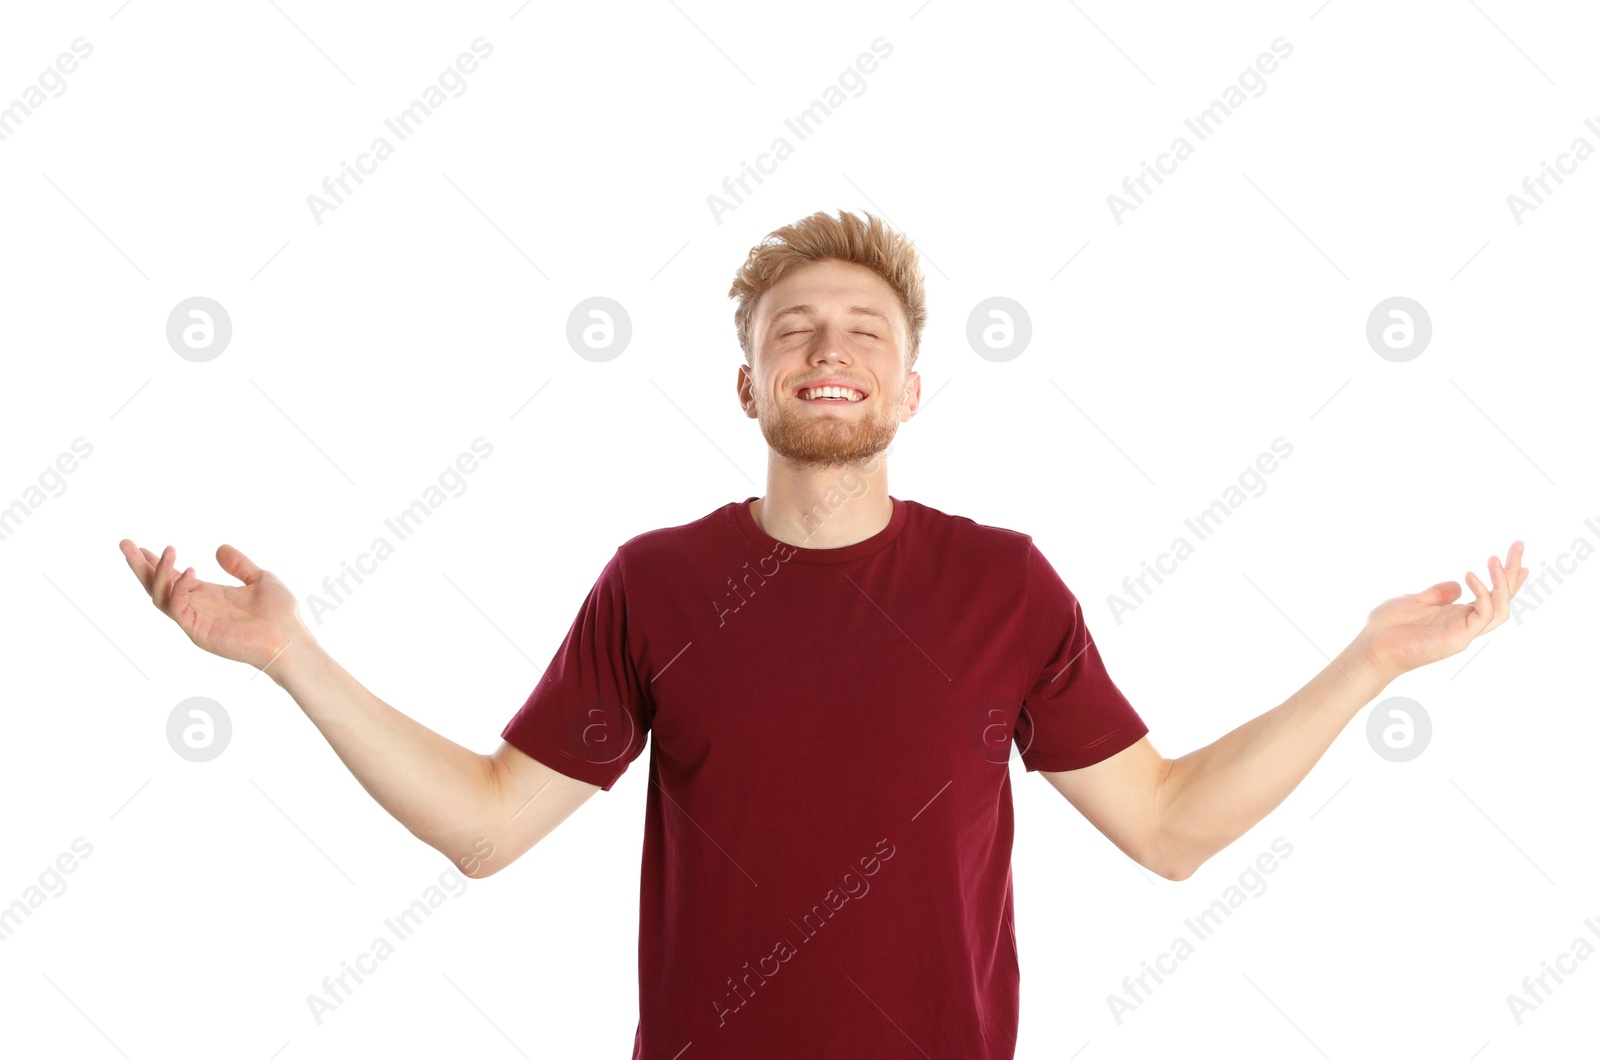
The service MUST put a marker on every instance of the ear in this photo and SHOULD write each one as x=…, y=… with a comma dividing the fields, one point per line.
x=913, y=398
x=745, y=386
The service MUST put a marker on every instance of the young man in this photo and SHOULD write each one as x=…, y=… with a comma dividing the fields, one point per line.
x=832, y=679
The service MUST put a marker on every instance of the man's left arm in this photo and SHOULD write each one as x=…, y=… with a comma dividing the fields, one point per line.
x=1172, y=815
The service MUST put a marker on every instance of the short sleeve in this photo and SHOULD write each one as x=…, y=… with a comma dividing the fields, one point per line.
x=588, y=716
x=1073, y=714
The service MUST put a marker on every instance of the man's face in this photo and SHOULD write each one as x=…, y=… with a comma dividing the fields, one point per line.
x=829, y=321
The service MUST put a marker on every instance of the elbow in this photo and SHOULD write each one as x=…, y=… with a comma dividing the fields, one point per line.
x=1175, y=871
x=1169, y=857
x=482, y=872
x=475, y=860
x=1168, y=862
x=482, y=856
x=1169, y=868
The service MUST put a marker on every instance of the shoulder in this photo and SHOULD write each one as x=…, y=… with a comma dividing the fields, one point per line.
x=680, y=541
x=968, y=536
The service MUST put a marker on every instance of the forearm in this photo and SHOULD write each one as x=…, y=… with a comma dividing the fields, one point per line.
x=442, y=792
x=1212, y=796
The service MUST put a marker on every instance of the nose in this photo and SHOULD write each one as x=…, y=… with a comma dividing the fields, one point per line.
x=829, y=346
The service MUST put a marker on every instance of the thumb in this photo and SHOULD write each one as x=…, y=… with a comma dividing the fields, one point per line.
x=238, y=564
x=1441, y=593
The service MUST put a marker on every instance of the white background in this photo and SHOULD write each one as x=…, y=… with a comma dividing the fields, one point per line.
x=369, y=350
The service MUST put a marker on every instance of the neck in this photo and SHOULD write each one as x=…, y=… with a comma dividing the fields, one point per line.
x=827, y=507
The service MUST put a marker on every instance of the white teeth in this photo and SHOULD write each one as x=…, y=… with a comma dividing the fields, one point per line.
x=831, y=391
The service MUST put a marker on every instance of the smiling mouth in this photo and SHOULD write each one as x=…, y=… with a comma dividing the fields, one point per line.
x=840, y=395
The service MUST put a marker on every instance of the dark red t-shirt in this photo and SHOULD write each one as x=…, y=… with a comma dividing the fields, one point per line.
x=827, y=846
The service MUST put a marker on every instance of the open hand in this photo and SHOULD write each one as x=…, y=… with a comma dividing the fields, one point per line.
x=250, y=623
x=1413, y=630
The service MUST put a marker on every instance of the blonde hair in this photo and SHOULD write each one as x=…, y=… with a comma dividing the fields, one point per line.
x=864, y=240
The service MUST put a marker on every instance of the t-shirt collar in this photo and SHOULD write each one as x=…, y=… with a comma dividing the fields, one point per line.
x=865, y=547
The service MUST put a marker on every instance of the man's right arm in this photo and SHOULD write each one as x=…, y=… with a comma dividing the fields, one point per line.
x=480, y=811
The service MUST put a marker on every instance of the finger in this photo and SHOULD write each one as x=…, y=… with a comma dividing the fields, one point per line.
x=1482, y=605
x=157, y=585
x=161, y=590
x=238, y=564
x=138, y=562
x=1440, y=593
x=179, y=599
x=1499, y=587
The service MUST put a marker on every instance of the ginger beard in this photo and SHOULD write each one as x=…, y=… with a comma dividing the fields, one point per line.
x=823, y=438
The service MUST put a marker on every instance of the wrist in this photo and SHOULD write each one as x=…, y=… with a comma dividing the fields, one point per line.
x=1360, y=664
x=296, y=659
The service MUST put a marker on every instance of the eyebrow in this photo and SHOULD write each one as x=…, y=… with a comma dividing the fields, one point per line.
x=855, y=310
